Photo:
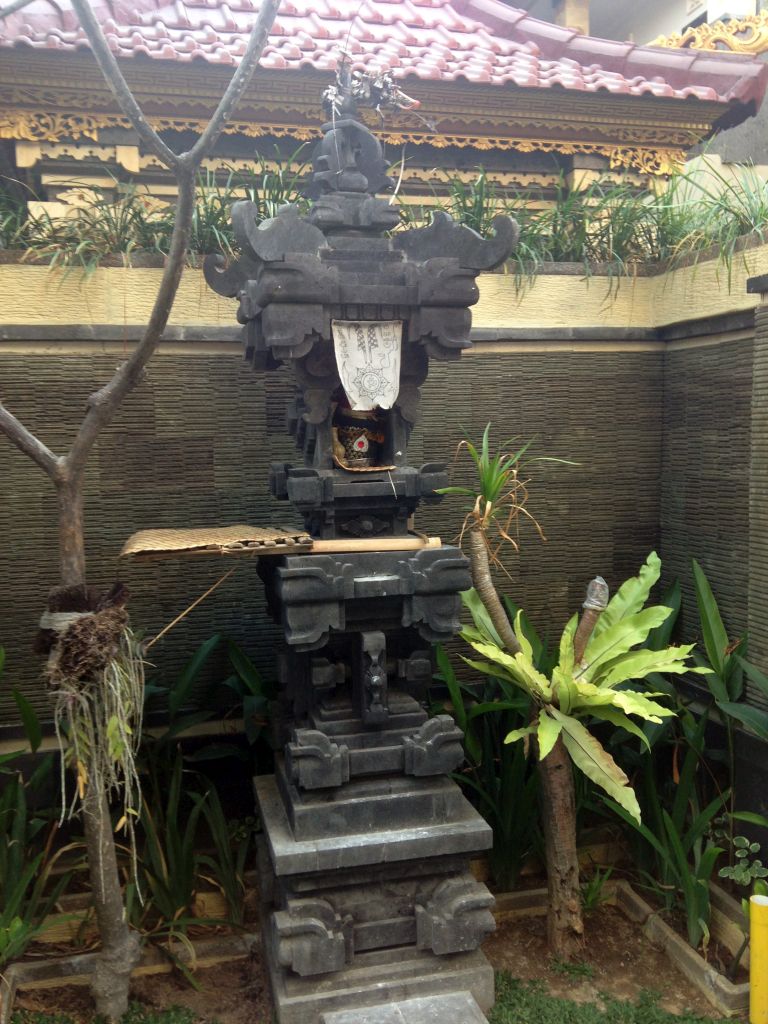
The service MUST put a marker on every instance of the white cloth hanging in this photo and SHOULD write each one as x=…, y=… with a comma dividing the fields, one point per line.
x=368, y=359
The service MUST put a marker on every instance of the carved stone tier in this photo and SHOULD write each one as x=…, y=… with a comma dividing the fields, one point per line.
x=317, y=595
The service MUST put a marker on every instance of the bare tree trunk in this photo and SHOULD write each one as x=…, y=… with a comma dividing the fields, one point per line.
x=120, y=945
x=71, y=537
x=482, y=581
x=565, y=924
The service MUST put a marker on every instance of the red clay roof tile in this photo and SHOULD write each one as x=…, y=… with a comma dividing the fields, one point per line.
x=478, y=40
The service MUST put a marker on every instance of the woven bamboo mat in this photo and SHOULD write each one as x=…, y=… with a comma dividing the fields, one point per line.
x=214, y=541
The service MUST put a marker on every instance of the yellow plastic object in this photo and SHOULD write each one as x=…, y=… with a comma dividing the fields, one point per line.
x=758, y=960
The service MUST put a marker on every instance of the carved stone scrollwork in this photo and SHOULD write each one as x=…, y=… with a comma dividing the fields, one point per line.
x=309, y=937
x=457, y=918
x=435, y=749
x=313, y=761
x=449, y=239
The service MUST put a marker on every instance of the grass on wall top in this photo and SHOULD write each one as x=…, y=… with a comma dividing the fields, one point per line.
x=613, y=224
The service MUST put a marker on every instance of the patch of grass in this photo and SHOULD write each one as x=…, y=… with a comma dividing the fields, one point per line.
x=572, y=970
x=519, y=1002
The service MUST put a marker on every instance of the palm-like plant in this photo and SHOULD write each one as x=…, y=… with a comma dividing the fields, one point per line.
x=498, y=498
x=599, y=687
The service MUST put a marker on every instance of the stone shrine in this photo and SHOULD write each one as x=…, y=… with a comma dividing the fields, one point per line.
x=371, y=913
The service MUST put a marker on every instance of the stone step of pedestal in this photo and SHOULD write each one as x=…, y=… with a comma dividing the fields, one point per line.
x=464, y=831
x=455, y=1008
x=368, y=805
x=393, y=977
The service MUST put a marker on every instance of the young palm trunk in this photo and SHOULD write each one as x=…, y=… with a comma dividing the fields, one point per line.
x=565, y=924
x=120, y=945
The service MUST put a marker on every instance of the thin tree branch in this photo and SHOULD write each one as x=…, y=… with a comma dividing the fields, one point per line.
x=122, y=93
x=238, y=84
x=18, y=434
x=13, y=7
x=103, y=404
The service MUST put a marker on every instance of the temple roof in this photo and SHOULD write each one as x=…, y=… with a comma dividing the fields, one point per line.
x=480, y=41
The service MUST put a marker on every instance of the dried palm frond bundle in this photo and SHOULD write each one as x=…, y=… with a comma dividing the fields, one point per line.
x=96, y=675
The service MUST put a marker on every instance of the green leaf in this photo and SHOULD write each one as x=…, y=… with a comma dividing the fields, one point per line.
x=639, y=664
x=246, y=670
x=548, y=732
x=661, y=636
x=621, y=721
x=596, y=763
x=32, y=729
x=519, y=668
x=750, y=818
x=566, y=657
x=482, y=620
x=753, y=718
x=537, y=646
x=518, y=734
x=587, y=695
x=525, y=646
x=712, y=628
x=631, y=595
x=638, y=704
x=619, y=638
x=755, y=676
x=183, y=685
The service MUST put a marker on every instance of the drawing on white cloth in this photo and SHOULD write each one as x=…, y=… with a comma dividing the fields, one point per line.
x=368, y=359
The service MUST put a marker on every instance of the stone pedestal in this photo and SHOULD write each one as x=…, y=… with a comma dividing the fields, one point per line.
x=369, y=897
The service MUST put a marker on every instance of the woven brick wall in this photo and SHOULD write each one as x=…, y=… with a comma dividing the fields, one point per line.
x=192, y=446
x=758, y=499
x=705, y=511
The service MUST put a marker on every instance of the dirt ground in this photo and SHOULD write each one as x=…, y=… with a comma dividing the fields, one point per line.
x=618, y=960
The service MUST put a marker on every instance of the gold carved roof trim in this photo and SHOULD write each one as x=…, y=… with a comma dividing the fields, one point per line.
x=748, y=34
x=40, y=126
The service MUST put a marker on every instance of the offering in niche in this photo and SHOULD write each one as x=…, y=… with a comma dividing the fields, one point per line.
x=358, y=436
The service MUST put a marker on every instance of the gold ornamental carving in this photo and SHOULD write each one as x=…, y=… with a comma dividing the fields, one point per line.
x=738, y=35
x=37, y=126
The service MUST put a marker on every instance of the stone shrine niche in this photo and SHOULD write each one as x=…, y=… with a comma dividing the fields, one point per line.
x=340, y=290
x=370, y=904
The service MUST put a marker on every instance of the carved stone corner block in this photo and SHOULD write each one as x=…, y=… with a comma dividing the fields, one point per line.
x=436, y=618
x=313, y=761
x=457, y=918
x=435, y=749
x=309, y=937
